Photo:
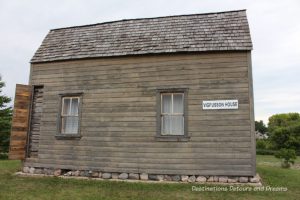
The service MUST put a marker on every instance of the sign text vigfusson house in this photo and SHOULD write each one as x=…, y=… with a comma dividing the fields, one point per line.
x=220, y=104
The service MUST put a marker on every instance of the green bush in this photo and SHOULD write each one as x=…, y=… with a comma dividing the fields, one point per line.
x=288, y=157
x=264, y=147
x=265, y=152
x=261, y=144
x=285, y=131
x=286, y=137
x=3, y=156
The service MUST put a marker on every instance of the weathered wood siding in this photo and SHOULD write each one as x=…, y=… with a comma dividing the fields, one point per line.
x=118, y=124
x=19, y=128
x=35, y=122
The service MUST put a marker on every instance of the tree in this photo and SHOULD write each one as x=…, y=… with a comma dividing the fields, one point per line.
x=283, y=120
x=261, y=127
x=288, y=157
x=285, y=136
x=285, y=131
x=5, y=119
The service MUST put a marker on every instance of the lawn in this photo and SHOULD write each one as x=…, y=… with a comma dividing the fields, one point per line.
x=13, y=187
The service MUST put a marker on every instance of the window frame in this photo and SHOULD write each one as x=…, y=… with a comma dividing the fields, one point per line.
x=159, y=136
x=171, y=114
x=59, y=134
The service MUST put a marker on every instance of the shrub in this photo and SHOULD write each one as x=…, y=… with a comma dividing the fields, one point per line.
x=261, y=144
x=265, y=152
x=288, y=157
x=264, y=147
x=3, y=156
x=286, y=137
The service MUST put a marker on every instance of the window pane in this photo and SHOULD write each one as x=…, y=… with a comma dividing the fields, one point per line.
x=166, y=125
x=177, y=125
x=166, y=103
x=66, y=106
x=178, y=103
x=74, y=106
x=70, y=125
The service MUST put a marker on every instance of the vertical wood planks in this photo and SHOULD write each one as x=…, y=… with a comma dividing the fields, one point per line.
x=19, y=130
x=35, y=121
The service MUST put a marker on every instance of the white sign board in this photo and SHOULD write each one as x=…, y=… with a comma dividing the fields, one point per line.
x=220, y=104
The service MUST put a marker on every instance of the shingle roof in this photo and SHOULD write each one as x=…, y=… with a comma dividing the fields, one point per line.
x=184, y=33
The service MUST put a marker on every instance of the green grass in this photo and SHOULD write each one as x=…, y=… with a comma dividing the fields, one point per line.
x=268, y=160
x=14, y=187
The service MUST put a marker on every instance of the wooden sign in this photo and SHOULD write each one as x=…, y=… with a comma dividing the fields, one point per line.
x=220, y=104
x=19, y=129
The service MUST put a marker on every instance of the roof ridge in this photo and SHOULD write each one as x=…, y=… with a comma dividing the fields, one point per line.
x=134, y=19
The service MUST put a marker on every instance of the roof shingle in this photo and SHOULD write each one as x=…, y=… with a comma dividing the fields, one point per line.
x=184, y=33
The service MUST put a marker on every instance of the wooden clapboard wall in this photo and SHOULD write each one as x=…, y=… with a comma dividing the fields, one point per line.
x=18, y=138
x=118, y=123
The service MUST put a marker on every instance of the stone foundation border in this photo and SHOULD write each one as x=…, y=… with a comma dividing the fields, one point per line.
x=144, y=177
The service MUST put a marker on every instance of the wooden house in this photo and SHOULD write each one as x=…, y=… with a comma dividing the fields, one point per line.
x=165, y=96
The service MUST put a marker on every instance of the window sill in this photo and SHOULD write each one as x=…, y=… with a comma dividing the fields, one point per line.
x=172, y=138
x=68, y=137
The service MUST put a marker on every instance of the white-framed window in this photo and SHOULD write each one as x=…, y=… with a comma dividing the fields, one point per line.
x=70, y=115
x=172, y=113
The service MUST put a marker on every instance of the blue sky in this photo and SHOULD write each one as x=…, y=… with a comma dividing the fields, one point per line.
x=274, y=26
